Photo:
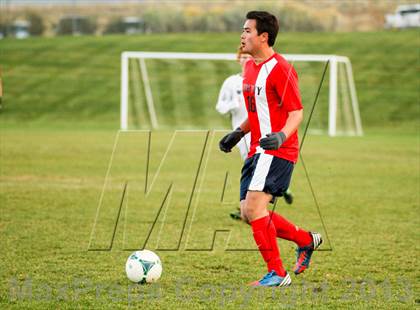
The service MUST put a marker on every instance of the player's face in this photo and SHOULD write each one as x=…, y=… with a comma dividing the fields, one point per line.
x=250, y=40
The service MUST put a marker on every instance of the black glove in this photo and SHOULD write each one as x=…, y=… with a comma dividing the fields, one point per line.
x=230, y=140
x=273, y=140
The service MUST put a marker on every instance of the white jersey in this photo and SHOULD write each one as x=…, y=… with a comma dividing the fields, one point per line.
x=231, y=100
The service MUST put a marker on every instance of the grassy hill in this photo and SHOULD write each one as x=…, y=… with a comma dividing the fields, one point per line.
x=74, y=81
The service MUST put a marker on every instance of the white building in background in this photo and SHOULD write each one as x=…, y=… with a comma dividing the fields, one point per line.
x=133, y=25
x=20, y=29
x=405, y=16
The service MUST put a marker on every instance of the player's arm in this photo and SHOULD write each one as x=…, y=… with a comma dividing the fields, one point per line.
x=232, y=138
x=292, y=123
x=245, y=126
x=289, y=92
x=225, y=101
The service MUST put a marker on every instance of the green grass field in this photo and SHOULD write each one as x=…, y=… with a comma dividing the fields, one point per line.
x=58, y=129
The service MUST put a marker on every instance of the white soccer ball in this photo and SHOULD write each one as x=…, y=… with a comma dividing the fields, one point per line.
x=143, y=267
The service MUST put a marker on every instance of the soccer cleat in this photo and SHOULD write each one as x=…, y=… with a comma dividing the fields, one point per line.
x=303, y=254
x=236, y=215
x=272, y=279
x=288, y=196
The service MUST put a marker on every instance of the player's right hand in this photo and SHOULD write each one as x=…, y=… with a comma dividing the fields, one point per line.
x=230, y=140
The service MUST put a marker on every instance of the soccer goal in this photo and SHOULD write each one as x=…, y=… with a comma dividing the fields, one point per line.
x=166, y=90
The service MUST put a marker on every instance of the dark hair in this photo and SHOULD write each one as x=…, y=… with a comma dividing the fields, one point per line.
x=266, y=22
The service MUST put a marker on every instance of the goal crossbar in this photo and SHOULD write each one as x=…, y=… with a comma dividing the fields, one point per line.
x=334, y=60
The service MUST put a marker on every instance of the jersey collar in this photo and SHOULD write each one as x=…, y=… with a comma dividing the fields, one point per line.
x=265, y=61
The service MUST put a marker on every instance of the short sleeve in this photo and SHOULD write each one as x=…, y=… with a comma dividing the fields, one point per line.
x=285, y=81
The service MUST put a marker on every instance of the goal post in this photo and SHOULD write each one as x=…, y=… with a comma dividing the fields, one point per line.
x=341, y=85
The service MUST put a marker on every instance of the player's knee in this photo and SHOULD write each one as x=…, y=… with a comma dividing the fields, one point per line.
x=252, y=202
x=251, y=211
x=256, y=205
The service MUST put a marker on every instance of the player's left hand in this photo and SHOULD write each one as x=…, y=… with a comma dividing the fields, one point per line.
x=230, y=140
x=273, y=140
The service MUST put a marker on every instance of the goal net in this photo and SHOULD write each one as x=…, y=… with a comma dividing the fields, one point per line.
x=180, y=90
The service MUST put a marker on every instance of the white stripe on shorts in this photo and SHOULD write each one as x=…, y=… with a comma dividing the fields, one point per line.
x=260, y=173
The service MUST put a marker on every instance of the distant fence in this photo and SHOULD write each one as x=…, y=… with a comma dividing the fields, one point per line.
x=185, y=17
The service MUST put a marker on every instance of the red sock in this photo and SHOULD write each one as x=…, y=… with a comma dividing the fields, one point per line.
x=265, y=238
x=289, y=231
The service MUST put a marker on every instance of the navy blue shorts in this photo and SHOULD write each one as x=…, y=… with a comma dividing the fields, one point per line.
x=266, y=173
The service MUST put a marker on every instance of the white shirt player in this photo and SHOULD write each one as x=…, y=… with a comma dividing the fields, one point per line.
x=231, y=100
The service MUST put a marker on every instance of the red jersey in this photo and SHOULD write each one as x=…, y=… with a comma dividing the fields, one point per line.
x=271, y=92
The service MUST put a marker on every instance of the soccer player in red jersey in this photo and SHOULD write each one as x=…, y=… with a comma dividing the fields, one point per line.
x=231, y=100
x=272, y=98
